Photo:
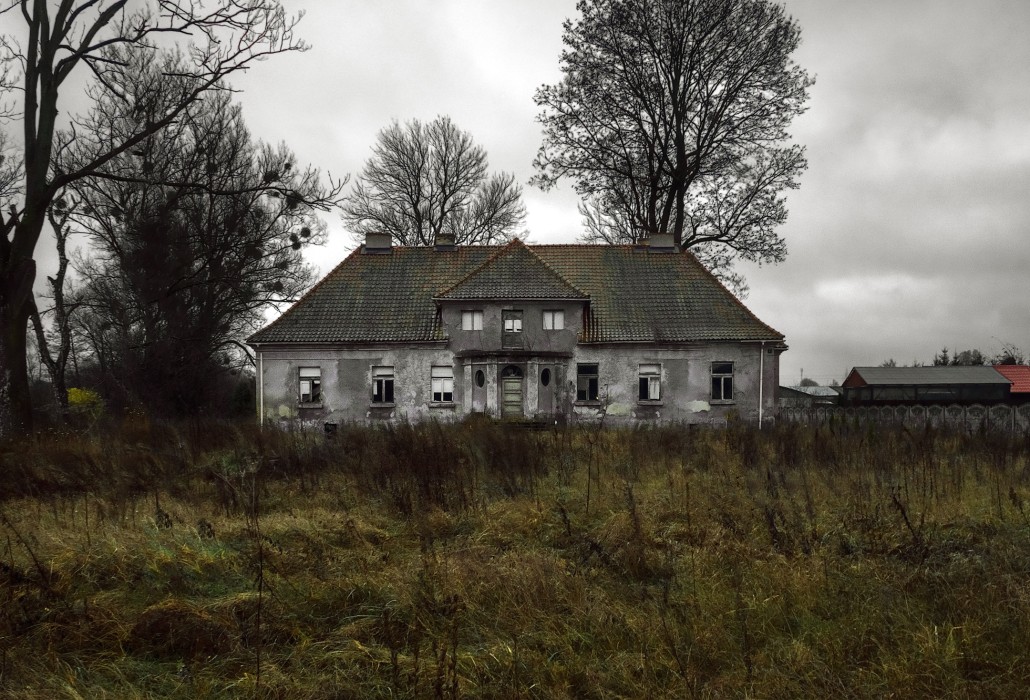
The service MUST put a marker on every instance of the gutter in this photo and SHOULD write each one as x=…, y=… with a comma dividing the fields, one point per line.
x=261, y=388
x=761, y=381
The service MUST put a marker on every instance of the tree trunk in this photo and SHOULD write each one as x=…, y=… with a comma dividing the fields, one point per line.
x=15, y=401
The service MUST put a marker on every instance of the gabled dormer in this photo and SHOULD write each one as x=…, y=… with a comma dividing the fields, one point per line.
x=513, y=301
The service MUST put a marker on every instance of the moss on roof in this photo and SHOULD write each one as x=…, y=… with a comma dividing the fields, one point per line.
x=634, y=294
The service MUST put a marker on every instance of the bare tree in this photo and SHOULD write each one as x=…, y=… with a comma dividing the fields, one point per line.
x=426, y=179
x=193, y=235
x=222, y=37
x=672, y=117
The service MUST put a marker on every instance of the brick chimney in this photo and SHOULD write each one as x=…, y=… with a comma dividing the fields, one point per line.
x=377, y=243
x=445, y=241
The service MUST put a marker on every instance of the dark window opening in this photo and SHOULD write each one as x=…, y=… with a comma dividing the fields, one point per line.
x=382, y=385
x=722, y=381
x=586, y=382
x=480, y=378
x=545, y=377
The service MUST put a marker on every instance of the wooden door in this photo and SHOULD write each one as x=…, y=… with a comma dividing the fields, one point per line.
x=511, y=397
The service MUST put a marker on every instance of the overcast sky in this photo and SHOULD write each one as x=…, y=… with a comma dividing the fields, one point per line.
x=911, y=229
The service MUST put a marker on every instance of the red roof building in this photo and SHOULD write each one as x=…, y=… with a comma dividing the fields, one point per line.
x=1019, y=375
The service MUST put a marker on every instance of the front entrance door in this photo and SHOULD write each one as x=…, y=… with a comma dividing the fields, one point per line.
x=511, y=393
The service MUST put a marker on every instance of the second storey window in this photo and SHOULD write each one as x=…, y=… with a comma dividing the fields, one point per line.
x=554, y=320
x=512, y=335
x=722, y=381
x=310, y=384
x=650, y=384
x=382, y=385
x=471, y=320
x=443, y=384
x=586, y=382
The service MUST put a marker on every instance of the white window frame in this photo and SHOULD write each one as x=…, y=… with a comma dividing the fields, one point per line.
x=383, y=385
x=472, y=320
x=513, y=323
x=442, y=383
x=554, y=320
x=310, y=385
x=720, y=375
x=649, y=383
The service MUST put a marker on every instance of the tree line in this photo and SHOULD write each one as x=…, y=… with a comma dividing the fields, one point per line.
x=670, y=116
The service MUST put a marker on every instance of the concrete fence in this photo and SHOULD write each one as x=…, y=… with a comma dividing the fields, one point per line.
x=974, y=417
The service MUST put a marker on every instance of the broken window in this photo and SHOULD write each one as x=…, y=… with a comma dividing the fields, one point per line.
x=586, y=382
x=310, y=384
x=443, y=384
x=382, y=385
x=512, y=335
x=722, y=381
x=554, y=320
x=471, y=320
x=650, y=388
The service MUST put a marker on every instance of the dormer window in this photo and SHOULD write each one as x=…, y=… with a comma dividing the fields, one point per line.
x=472, y=320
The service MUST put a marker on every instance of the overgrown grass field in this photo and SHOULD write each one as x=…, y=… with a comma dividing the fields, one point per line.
x=487, y=561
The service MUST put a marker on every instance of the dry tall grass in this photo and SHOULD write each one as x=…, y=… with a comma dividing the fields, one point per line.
x=481, y=560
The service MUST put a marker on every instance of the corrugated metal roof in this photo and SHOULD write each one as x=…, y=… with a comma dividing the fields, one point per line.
x=1019, y=375
x=909, y=376
x=820, y=391
x=635, y=295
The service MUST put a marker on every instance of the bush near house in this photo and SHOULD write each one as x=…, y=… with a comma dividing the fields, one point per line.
x=206, y=560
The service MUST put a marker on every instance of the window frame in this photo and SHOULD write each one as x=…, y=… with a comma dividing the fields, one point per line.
x=314, y=382
x=722, y=378
x=383, y=385
x=441, y=384
x=649, y=382
x=474, y=318
x=553, y=319
x=513, y=319
x=591, y=392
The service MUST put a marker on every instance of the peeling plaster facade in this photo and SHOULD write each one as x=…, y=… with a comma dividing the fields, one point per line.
x=535, y=373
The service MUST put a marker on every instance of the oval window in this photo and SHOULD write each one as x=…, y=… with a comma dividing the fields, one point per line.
x=545, y=376
x=480, y=378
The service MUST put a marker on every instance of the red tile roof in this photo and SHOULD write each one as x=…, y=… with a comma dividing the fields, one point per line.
x=1019, y=375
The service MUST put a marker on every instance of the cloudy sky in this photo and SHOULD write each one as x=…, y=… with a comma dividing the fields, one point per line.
x=911, y=229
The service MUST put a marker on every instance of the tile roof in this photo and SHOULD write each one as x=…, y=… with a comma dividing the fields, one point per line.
x=635, y=295
x=513, y=272
x=1019, y=375
x=908, y=376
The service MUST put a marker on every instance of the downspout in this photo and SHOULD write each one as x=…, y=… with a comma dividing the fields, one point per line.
x=761, y=381
x=261, y=388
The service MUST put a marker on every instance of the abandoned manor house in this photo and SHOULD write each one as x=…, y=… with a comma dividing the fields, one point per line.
x=630, y=333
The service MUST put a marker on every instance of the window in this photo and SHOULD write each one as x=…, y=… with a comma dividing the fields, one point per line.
x=382, y=385
x=512, y=335
x=554, y=320
x=650, y=383
x=480, y=378
x=722, y=381
x=471, y=320
x=512, y=321
x=545, y=376
x=443, y=384
x=586, y=382
x=310, y=384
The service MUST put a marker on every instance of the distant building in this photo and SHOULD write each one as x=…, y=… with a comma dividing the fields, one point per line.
x=981, y=384
x=805, y=396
